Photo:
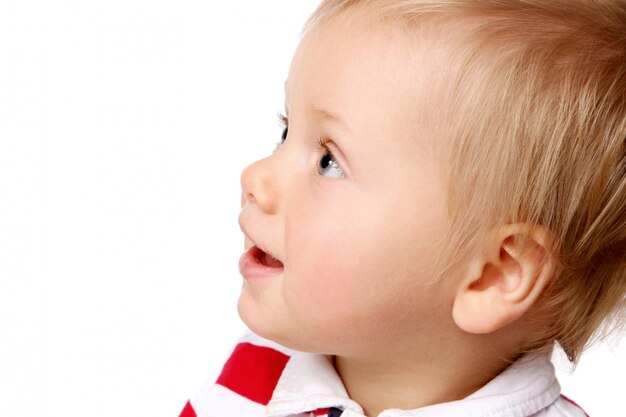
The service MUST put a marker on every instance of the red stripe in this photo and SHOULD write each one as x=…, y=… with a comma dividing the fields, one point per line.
x=321, y=412
x=573, y=403
x=188, y=411
x=253, y=371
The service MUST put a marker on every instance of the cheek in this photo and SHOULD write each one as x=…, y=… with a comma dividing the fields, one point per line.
x=322, y=260
x=351, y=267
x=330, y=268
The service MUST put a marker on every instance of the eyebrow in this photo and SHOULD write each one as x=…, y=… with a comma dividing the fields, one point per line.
x=326, y=115
x=323, y=114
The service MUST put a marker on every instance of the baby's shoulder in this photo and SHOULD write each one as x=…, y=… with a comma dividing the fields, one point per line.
x=246, y=383
x=562, y=407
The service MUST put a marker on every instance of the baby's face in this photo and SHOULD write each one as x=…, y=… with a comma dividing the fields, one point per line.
x=356, y=225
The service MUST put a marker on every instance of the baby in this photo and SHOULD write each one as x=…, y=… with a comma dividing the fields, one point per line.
x=447, y=202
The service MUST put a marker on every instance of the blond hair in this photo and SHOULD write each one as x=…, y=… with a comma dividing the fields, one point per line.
x=539, y=137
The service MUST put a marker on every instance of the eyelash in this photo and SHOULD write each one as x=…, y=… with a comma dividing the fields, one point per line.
x=284, y=122
x=322, y=147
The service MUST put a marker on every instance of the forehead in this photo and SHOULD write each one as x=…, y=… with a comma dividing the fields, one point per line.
x=369, y=72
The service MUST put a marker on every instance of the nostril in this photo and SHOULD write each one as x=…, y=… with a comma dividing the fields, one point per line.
x=245, y=197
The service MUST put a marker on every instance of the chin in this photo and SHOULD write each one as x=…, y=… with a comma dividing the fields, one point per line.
x=260, y=324
x=268, y=329
x=285, y=330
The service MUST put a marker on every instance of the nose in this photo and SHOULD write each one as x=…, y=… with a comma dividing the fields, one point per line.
x=259, y=185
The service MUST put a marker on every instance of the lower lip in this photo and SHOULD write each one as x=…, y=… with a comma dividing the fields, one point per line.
x=251, y=268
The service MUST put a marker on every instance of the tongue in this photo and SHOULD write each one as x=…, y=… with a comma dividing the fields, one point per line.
x=271, y=262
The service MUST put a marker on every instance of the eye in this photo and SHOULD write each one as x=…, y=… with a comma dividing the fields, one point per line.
x=327, y=165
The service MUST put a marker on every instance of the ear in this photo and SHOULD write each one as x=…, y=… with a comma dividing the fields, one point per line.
x=505, y=279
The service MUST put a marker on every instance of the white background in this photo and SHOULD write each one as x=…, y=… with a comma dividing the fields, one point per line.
x=124, y=126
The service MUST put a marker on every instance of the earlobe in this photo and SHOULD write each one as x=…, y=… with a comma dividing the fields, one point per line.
x=505, y=280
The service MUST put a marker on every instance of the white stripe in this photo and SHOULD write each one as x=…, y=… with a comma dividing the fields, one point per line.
x=222, y=402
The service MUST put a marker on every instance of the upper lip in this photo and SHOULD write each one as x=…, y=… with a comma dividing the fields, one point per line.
x=255, y=242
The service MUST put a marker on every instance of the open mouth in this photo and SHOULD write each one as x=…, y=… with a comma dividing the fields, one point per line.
x=266, y=259
x=256, y=263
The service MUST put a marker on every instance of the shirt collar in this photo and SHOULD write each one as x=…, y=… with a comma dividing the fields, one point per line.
x=310, y=382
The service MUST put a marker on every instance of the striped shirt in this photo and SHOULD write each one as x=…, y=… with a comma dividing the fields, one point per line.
x=264, y=379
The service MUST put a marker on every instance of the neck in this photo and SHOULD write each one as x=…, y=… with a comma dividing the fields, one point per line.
x=422, y=379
